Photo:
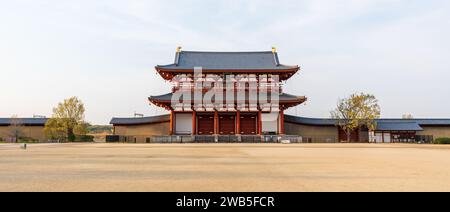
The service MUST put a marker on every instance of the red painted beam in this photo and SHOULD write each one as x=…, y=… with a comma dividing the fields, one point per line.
x=216, y=122
x=238, y=122
x=172, y=124
x=194, y=123
x=259, y=122
x=281, y=122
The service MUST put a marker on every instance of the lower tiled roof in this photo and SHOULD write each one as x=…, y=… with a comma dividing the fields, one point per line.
x=393, y=124
x=398, y=126
x=382, y=124
x=140, y=120
x=24, y=121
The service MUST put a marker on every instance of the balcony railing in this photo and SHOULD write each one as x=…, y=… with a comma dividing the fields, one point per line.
x=205, y=139
x=243, y=139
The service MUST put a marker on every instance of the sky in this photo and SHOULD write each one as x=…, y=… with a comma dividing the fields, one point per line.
x=104, y=51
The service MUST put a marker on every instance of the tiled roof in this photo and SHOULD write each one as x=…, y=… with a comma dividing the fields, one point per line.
x=140, y=120
x=398, y=126
x=381, y=122
x=422, y=122
x=263, y=60
x=24, y=121
x=284, y=97
x=308, y=121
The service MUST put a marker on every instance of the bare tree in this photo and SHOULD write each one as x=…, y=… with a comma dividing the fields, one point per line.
x=407, y=116
x=16, y=128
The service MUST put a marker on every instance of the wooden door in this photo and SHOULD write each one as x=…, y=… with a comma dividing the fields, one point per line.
x=205, y=124
x=249, y=124
x=227, y=124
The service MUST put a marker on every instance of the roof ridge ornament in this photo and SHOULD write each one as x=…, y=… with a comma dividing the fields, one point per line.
x=275, y=56
x=177, y=55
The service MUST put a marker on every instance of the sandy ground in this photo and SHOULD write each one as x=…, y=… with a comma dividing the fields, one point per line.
x=224, y=167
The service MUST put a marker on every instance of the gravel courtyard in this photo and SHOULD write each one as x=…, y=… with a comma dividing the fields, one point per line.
x=224, y=167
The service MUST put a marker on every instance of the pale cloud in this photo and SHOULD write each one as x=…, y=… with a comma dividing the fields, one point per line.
x=104, y=51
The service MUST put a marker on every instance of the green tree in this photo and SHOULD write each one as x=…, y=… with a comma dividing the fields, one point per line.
x=55, y=130
x=67, y=120
x=356, y=111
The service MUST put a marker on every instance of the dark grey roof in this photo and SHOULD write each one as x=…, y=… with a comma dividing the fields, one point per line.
x=165, y=97
x=264, y=60
x=421, y=122
x=24, y=121
x=283, y=97
x=289, y=97
x=143, y=120
x=398, y=126
x=309, y=121
x=325, y=121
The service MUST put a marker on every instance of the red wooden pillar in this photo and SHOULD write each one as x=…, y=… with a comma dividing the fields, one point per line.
x=238, y=122
x=259, y=122
x=194, y=122
x=172, y=122
x=281, y=122
x=216, y=122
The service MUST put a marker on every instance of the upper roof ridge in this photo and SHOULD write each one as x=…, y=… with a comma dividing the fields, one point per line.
x=225, y=52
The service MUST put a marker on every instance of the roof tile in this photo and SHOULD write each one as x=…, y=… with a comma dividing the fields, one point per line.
x=264, y=60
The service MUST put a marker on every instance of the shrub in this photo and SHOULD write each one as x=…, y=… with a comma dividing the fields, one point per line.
x=71, y=137
x=85, y=138
x=442, y=141
x=28, y=140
